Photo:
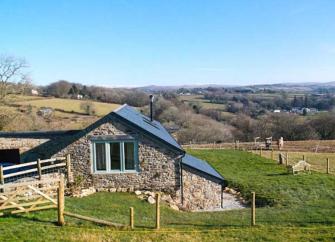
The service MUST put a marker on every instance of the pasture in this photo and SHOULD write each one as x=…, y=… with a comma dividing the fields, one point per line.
x=69, y=105
x=200, y=100
x=317, y=160
x=296, y=208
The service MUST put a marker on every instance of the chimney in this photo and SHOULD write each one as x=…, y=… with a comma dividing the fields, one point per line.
x=151, y=106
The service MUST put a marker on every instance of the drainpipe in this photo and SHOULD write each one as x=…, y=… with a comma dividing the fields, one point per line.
x=181, y=177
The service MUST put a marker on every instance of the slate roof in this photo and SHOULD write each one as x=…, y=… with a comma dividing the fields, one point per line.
x=200, y=165
x=142, y=122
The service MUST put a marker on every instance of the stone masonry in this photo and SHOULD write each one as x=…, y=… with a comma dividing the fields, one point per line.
x=200, y=192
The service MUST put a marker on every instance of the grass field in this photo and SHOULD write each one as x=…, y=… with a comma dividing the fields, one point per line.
x=296, y=208
x=69, y=116
x=199, y=99
x=317, y=160
x=70, y=105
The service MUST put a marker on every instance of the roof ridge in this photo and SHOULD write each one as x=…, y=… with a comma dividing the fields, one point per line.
x=119, y=108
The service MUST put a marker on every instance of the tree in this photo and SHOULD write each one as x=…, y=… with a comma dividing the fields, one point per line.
x=11, y=71
x=74, y=90
x=59, y=89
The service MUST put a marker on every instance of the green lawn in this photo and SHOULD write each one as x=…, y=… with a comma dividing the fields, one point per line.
x=297, y=208
x=317, y=160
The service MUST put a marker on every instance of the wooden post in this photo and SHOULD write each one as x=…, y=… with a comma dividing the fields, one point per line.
x=253, y=209
x=327, y=165
x=158, y=213
x=131, y=221
x=272, y=155
x=260, y=151
x=303, y=157
x=68, y=168
x=60, y=201
x=2, y=179
x=286, y=162
x=39, y=169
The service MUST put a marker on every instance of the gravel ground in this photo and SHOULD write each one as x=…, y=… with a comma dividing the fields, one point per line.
x=230, y=202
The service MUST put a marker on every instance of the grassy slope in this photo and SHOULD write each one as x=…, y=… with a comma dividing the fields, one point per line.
x=317, y=160
x=60, y=120
x=70, y=105
x=303, y=210
x=302, y=199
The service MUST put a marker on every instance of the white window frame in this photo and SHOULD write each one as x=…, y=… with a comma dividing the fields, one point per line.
x=108, y=160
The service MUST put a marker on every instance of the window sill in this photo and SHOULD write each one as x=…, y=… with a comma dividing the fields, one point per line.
x=114, y=172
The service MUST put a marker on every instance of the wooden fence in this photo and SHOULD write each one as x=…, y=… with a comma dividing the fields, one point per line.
x=317, y=146
x=35, y=168
x=30, y=196
x=319, y=162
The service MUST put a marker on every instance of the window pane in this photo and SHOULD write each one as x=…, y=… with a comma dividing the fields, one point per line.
x=129, y=154
x=100, y=157
x=115, y=156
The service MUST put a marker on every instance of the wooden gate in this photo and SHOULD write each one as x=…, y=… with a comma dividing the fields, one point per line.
x=30, y=196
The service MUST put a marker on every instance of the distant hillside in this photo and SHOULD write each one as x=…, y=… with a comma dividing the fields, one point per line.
x=290, y=87
x=156, y=88
x=307, y=87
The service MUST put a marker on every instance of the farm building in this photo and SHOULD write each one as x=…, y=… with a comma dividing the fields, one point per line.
x=124, y=151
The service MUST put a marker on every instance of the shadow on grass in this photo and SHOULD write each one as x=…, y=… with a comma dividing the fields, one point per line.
x=30, y=219
x=279, y=174
x=205, y=226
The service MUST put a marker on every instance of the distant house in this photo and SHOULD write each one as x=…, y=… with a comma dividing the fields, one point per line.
x=276, y=111
x=302, y=111
x=127, y=151
x=79, y=96
x=34, y=92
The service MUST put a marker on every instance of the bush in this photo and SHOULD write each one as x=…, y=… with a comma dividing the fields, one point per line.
x=88, y=108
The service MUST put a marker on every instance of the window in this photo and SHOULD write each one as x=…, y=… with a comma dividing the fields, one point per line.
x=114, y=156
x=100, y=156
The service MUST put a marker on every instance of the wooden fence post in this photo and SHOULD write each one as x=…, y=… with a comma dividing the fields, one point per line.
x=158, y=213
x=286, y=160
x=272, y=155
x=60, y=201
x=260, y=151
x=131, y=221
x=2, y=179
x=68, y=168
x=327, y=165
x=253, y=209
x=303, y=157
x=39, y=169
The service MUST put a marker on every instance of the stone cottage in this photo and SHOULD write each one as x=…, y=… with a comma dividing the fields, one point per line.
x=126, y=151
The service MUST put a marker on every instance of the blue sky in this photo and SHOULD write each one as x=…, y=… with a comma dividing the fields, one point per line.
x=171, y=42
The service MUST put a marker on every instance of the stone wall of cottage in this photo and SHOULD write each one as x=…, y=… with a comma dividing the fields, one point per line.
x=200, y=192
x=159, y=168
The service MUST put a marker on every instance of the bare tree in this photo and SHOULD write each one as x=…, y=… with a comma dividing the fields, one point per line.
x=11, y=71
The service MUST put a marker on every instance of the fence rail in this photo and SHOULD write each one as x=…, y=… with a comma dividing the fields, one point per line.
x=319, y=146
x=29, y=196
x=320, y=162
x=35, y=168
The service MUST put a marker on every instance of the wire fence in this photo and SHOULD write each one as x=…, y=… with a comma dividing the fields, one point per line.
x=320, y=162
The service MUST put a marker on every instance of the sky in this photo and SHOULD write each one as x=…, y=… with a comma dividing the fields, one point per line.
x=171, y=42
